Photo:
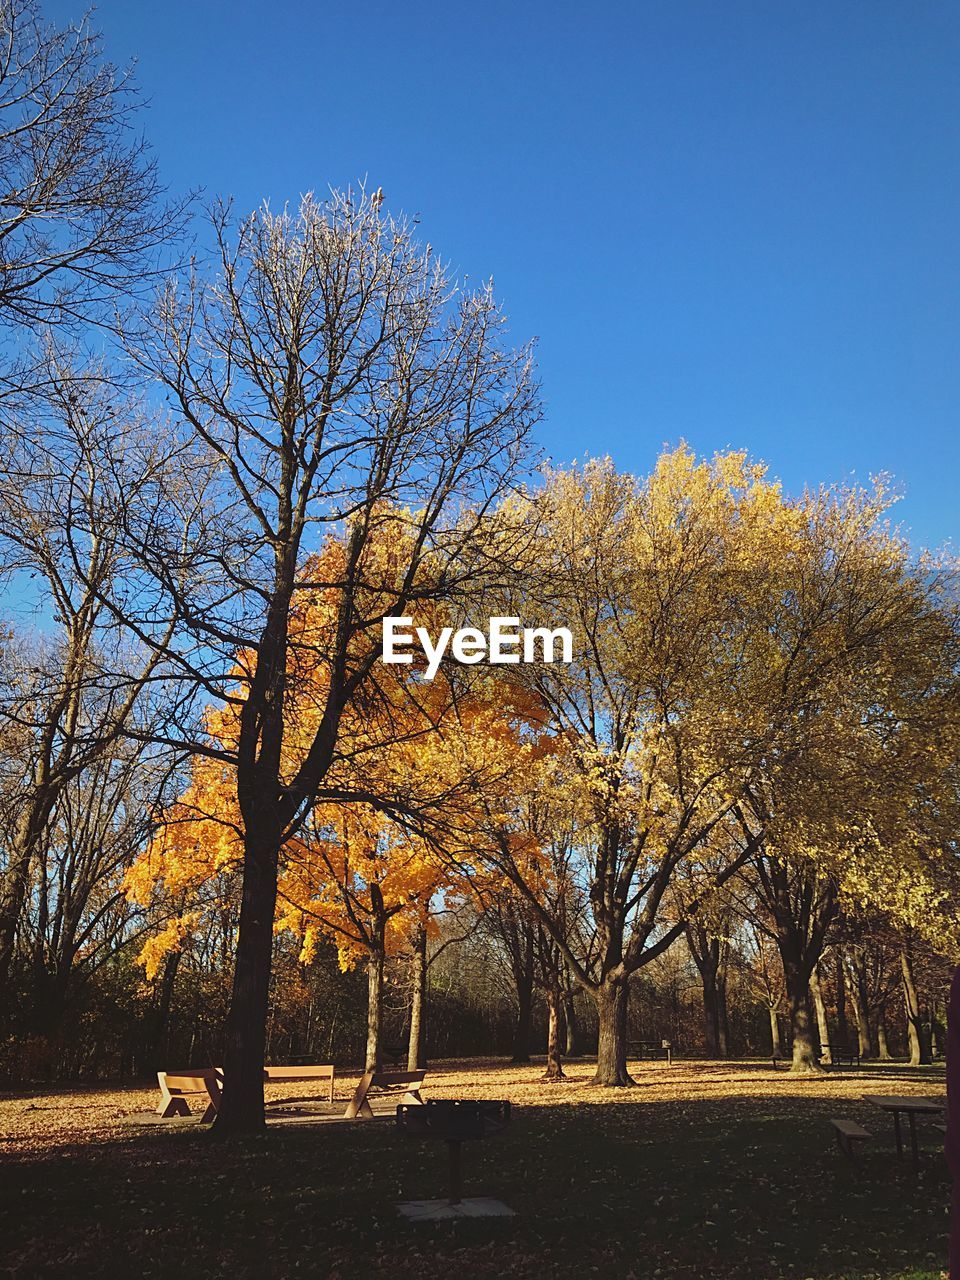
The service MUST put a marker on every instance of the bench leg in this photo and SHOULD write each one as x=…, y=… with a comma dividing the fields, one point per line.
x=173, y=1107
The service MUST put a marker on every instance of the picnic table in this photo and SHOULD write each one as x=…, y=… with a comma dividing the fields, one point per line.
x=898, y=1104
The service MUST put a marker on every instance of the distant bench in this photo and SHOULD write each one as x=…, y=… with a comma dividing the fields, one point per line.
x=298, y=1075
x=639, y=1049
x=839, y=1054
x=177, y=1086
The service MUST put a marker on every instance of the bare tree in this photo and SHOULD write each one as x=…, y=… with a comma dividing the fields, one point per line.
x=64, y=482
x=337, y=386
x=82, y=212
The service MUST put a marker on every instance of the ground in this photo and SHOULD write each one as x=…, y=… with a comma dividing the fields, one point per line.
x=705, y=1170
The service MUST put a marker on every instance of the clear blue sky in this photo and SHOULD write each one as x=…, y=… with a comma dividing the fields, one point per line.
x=731, y=222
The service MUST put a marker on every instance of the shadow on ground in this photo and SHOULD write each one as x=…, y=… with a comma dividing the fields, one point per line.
x=734, y=1187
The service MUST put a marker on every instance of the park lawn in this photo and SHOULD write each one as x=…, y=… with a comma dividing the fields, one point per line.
x=705, y=1170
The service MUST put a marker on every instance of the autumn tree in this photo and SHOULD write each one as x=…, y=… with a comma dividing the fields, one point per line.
x=861, y=797
x=329, y=374
x=666, y=711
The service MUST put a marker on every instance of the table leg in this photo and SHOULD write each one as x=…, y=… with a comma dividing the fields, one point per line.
x=456, y=1174
x=896, y=1128
x=913, y=1141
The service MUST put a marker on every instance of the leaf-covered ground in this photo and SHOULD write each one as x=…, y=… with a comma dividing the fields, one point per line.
x=704, y=1170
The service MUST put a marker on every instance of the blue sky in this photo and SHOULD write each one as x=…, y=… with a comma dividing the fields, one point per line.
x=734, y=223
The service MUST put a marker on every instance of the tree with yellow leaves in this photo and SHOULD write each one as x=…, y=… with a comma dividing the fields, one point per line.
x=363, y=868
x=726, y=635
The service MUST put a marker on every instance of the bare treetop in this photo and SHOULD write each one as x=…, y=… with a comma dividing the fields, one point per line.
x=81, y=207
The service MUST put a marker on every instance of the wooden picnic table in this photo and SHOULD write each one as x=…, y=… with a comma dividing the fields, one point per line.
x=897, y=1104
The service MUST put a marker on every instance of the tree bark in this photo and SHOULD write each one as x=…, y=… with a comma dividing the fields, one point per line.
x=554, y=1069
x=416, y=1045
x=523, y=978
x=840, y=986
x=776, y=1044
x=374, y=1008
x=708, y=954
x=612, y=1002
x=571, y=1024
x=859, y=1006
x=883, y=1049
x=796, y=974
x=241, y=1110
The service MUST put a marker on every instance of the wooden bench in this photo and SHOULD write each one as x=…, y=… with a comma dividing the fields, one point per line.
x=847, y=1132
x=407, y=1083
x=638, y=1048
x=177, y=1086
x=839, y=1054
x=300, y=1074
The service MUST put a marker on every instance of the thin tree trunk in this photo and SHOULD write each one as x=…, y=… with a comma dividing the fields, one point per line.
x=919, y=1049
x=883, y=1049
x=859, y=1012
x=823, y=1029
x=840, y=987
x=571, y=1024
x=157, y=1049
x=554, y=1069
x=776, y=1044
x=724, y=1017
x=524, y=1022
x=612, y=1001
x=416, y=1045
x=374, y=1007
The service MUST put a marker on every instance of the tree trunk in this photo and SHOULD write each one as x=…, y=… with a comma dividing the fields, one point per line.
x=919, y=1049
x=554, y=1069
x=724, y=1017
x=374, y=1008
x=572, y=1026
x=823, y=1029
x=711, y=1015
x=612, y=999
x=156, y=1048
x=797, y=982
x=776, y=1044
x=843, y=1030
x=859, y=1011
x=883, y=1049
x=241, y=1110
x=707, y=951
x=524, y=1022
x=416, y=1045
x=15, y=881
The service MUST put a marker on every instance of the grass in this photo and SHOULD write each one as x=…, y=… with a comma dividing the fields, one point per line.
x=705, y=1170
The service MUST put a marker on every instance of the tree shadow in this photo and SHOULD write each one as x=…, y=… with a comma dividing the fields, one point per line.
x=751, y=1188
